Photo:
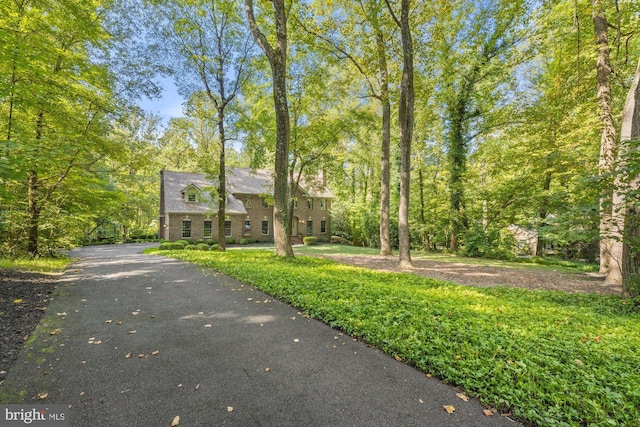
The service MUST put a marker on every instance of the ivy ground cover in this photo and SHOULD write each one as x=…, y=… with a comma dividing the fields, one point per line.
x=549, y=358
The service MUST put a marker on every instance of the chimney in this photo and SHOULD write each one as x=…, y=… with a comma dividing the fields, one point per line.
x=324, y=177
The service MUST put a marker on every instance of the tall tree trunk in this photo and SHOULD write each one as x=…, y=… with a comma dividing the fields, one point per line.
x=620, y=261
x=222, y=184
x=457, y=159
x=34, y=205
x=277, y=56
x=608, y=135
x=385, y=164
x=405, y=119
x=34, y=213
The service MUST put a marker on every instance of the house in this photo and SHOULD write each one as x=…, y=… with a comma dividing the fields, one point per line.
x=526, y=239
x=188, y=210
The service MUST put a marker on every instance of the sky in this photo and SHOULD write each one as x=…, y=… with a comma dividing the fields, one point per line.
x=168, y=106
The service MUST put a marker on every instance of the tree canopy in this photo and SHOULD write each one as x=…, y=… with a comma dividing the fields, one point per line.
x=439, y=125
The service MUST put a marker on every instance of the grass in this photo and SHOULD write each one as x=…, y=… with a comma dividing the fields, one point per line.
x=534, y=263
x=549, y=358
x=37, y=265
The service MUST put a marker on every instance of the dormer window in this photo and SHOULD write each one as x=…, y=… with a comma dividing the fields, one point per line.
x=191, y=197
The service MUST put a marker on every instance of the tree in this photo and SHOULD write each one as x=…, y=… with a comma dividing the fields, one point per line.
x=58, y=99
x=346, y=38
x=478, y=47
x=406, y=120
x=213, y=48
x=277, y=56
x=608, y=135
x=627, y=182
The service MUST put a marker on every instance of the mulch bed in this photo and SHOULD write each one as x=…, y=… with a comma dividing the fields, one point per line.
x=482, y=275
x=23, y=301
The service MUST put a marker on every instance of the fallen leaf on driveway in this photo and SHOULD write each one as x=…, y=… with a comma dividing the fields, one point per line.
x=42, y=396
x=175, y=421
x=155, y=353
x=208, y=325
x=229, y=408
x=487, y=412
x=462, y=396
x=398, y=358
x=108, y=321
x=132, y=332
x=449, y=408
x=56, y=332
x=17, y=301
x=296, y=340
x=135, y=313
x=128, y=355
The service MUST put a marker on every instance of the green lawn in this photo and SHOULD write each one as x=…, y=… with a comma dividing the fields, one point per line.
x=549, y=358
x=38, y=265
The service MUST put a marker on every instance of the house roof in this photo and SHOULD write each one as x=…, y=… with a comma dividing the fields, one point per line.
x=176, y=183
x=239, y=181
x=260, y=181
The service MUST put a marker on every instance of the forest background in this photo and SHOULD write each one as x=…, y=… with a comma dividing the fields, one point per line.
x=518, y=109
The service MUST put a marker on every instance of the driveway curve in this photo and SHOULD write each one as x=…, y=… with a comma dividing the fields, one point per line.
x=138, y=340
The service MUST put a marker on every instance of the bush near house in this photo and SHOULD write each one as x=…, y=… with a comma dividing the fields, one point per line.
x=168, y=246
x=202, y=247
x=309, y=240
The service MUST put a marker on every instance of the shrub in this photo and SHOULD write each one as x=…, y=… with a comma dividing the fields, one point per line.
x=215, y=247
x=202, y=247
x=190, y=248
x=245, y=241
x=200, y=241
x=167, y=246
x=309, y=240
x=230, y=241
x=183, y=242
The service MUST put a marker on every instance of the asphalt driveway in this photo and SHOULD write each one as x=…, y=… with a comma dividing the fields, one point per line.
x=137, y=340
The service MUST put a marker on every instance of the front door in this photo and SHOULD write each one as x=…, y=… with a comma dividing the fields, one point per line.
x=294, y=226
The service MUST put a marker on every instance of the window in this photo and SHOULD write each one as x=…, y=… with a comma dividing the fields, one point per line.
x=323, y=204
x=265, y=204
x=309, y=227
x=186, y=228
x=247, y=227
x=309, y=203
x=247, y=203
x=265, y=227
x=323, y=226
x=207, y=227
x=227, y=228
x=295, y=202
